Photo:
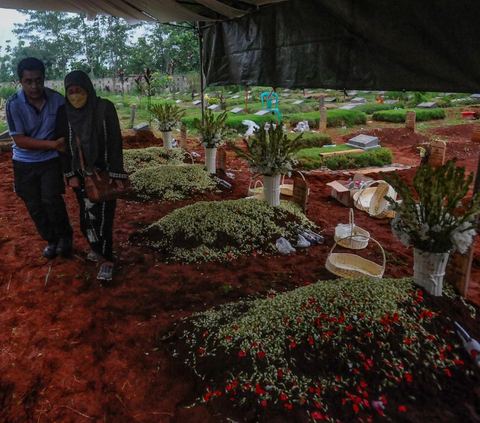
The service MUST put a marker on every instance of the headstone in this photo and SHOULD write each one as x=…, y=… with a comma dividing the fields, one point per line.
x=222, y=160
x=410, y=119
x=262, y=113
x=366, y=92
x=390, y=102
x=358, y=100
x=119, y=105
x=178, y=101
x=132, y=114
x=382, y=92
x=323, y=119
x=458, y=272
x=364, y=142
x=183, y=137
x=476, y=132
x=330, y=99
x=196, y=94
x=437, y=153
x=214, y=107
x=141, y=127
x=286, y=95
x=235, y=96
x=236, y=110
x=427, y=105
x=321, y=102
x=352, y=93
x=475, y=96
x=177, y=93
x=348, y=106
x=308, y=92
x=197, y=102
x=286, y=90
x=229, y=92
x=300, y=193
x=298, y=102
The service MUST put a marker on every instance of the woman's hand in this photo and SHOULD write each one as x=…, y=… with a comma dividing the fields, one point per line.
x=118, y=182
x=74, y=182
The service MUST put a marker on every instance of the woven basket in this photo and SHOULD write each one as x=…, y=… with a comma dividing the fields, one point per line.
x=371, y=199
x=287, y=189
x=358, y=239
x=255, y=190
x=348, y=265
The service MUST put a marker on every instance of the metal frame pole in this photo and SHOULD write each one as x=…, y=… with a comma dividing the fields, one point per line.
x=202, y=75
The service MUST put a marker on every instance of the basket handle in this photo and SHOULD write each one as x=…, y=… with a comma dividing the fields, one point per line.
x=351, y=222
x=189, y=155
x=252, y=180
x=366, y=237
x=364, y=187
x=298, y=171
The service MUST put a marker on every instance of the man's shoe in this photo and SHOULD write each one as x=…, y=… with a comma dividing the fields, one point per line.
x=64, y=246
x=50, y=250
x=105, y=273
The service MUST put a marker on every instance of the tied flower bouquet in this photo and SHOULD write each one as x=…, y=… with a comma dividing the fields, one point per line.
x=166, y=116
x=269, y=152
x=432, y=217
x=211, y=130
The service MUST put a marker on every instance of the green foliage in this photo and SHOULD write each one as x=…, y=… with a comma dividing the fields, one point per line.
x=335, y=117
x=171, y=183
x=270, y=152
x=310, y=159
x=6, y=91
x=166, y=116
x=137, y=159
x=288, y=349
x=212, y=129
x=223, y=230
x=311, y=139
x=431, y=216
x=397, y=95
x=398, y=116
x=375, y=107
x=233, y=121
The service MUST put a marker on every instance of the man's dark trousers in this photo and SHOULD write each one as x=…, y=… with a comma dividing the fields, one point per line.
x=40, y=185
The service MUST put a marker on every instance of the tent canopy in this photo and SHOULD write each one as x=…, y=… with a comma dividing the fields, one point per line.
x=349, y=44
x=146, y=10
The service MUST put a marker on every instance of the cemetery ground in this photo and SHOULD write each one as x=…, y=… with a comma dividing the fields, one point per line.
x=75, y=350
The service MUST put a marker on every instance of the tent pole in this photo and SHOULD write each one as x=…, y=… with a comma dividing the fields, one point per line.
x=202, y=75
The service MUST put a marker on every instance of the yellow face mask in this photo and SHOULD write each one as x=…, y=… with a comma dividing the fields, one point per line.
x=78, y=100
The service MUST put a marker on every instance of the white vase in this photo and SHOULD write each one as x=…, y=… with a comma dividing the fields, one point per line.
x=429, y=270
x=167, y=139
x=211, y=159
x=271, y=189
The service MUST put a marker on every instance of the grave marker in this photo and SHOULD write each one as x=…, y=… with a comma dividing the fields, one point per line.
x=183, y=137
x=352, y=93
x=236, y=110
x=427, y=105
x=178, y=101
x=364, y=142
x=330, y=99
x=235, y=96
x=476, y=132
x=321, y=102
x=475, y=96
x=390, y=101
x=197, y=102
x=213, y=107
x=141, y=127
x=358, y=100
x=300, y=193
x=323, y=120
x=410, y=119
x=222, y=160
x=262, y=113
x=298, y=102
x=348, y=106
x=437, y=153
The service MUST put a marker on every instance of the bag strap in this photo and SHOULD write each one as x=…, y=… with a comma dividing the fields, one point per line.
x=80, y=153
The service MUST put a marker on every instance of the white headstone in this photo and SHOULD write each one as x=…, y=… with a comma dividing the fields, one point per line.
x=214, y=107
x=390, y=102
x=298, y=102
x=178, y=101
x=197, y=102
x=141, y=127
x=348, y=106
x=427, y=105
x=364, y=142
x=235, y=96
x=330, y=99
x=358, y=100
x=236, y=110
x=475, y=96
x=286, y=90
x=352, y=93
x=262, y=113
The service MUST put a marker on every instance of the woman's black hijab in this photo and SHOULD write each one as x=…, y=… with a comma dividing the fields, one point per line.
x=84, y=120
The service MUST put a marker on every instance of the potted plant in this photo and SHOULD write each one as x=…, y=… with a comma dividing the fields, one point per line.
x=166, y=117
x=433, y=219
x=270, y=153
x=211, y=132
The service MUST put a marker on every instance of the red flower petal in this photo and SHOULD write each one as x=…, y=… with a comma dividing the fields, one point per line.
x=264, y=403
x=402, y=408
x=317, y=415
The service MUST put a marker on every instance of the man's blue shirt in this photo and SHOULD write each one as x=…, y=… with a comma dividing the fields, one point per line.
x=24, y=119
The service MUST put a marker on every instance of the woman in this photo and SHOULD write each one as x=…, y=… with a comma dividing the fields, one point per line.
x=92, y=131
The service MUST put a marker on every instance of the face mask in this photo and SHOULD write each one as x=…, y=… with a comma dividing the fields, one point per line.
x=77, y=100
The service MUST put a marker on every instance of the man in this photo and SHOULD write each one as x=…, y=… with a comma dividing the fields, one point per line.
x=31, y=115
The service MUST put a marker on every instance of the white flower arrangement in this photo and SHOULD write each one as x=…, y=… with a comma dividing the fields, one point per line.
x=212, y=130
x=166, y=116
x=432, y=217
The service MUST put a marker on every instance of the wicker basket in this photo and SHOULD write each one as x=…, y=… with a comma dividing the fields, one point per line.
x=348, y=265
x=287, y=189
x=358, y=238
x=371, y=199
x=255, y=190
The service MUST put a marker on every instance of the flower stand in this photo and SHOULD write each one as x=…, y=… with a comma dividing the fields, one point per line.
x=210, y=159
x=271, y=189
x=167, y=139
x=429, y=270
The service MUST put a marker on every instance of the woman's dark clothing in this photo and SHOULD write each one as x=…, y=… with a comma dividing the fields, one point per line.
x=96, y=129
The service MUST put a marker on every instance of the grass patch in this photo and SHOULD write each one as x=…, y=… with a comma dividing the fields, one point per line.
x=335, y=117
x=310, y=159
x=142, y=158
x=398, y=116
x=223, y=230
x=233, y=121
x=171, y=183
x=311, y=139
x=369, y=109
x=342, y=348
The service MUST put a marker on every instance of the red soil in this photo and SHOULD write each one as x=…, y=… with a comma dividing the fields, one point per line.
x=72, y=350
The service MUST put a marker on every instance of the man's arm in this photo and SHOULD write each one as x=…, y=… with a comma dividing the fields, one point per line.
x=30, y=143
